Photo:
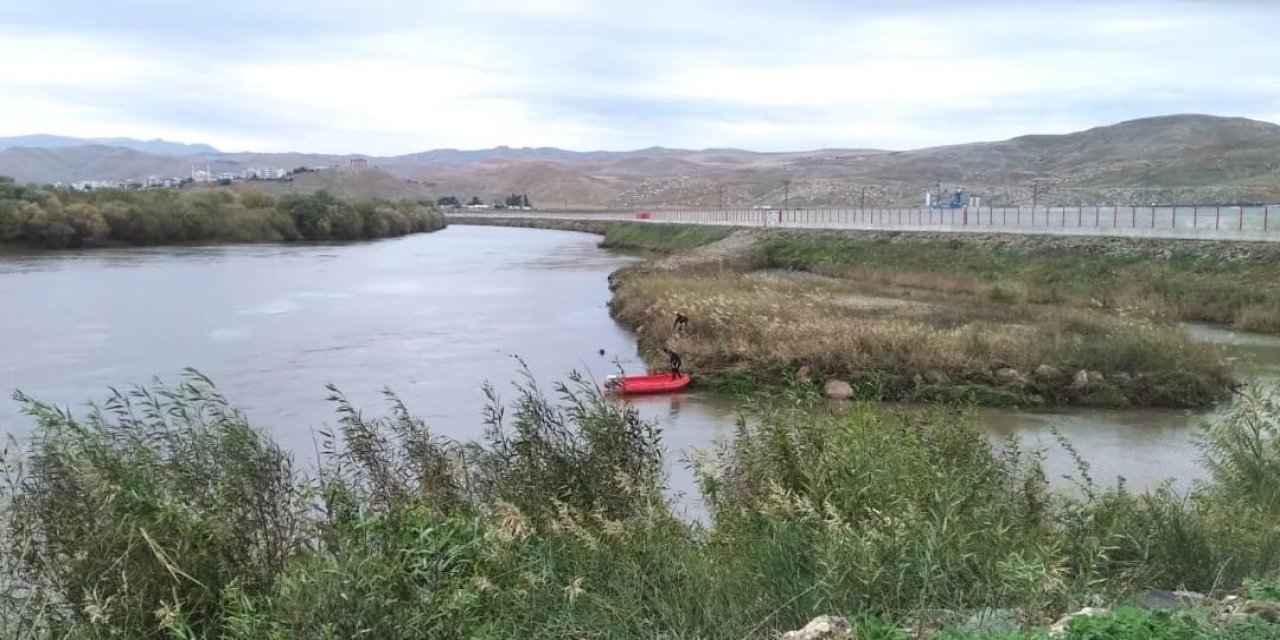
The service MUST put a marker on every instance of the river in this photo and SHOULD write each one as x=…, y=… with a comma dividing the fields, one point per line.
x=432, y=317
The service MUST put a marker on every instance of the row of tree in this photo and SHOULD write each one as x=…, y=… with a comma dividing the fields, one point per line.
x=66, y=219
x=513, y=200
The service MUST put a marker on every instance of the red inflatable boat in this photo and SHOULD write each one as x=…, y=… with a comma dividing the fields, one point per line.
x=635, y=385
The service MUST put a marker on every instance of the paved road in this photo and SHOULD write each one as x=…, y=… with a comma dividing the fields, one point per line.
x=1248, y=223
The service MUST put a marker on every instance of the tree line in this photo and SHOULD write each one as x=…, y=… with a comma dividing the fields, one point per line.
x=47, y=218
x=513, y=200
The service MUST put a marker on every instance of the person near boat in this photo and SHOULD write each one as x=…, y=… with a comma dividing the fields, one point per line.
x=674, y=359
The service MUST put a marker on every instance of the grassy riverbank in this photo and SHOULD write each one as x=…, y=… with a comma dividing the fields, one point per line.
x=898, y=317
x=47, y=219
x=756, y=329
x=1234, y=284
x=662, y=238
x=167, y=515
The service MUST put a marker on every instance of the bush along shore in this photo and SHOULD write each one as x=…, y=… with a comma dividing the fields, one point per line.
x=165, y=514
x=48, y=219
x=769, y=307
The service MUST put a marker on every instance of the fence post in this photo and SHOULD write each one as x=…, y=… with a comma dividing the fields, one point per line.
x=1115, y=216
x=1153, y=216
x=1133, y=216
x=1095, y=215
x=1266, y=213
x=1195, y=216
x=1173, y=219
x=1079, y=216
x=1241, y=228
x=1217, y=216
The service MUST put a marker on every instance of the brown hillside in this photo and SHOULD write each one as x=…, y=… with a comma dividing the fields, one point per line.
x=373, y=183
x=1178, y=158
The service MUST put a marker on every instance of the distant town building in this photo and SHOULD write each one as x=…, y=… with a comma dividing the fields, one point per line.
x=263, y=173
x=201, y=175
x=359, y=164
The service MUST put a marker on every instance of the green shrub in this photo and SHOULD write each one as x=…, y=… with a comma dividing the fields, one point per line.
x=69, y=219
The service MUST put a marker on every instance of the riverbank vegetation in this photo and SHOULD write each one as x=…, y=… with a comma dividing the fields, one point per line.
x=167, y=515
x=1226, y=283
x=759, y=328
x=69, y=219
x=662, y=238
x=884, y=319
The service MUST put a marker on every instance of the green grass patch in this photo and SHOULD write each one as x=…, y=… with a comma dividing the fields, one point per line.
x=662, y=238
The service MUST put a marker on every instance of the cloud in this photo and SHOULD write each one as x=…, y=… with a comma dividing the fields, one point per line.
x=387, y=77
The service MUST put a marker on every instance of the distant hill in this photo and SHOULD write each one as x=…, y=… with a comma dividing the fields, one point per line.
x=95, y=162
x=156, y=146
x=1177, y=158
x=373, y=183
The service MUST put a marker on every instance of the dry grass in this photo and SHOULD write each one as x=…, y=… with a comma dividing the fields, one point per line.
x=1218, y=284
x=925, y=348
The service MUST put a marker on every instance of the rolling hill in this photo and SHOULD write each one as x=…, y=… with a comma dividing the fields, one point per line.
x=1178, y=158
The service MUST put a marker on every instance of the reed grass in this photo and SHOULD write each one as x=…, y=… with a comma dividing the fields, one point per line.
x=167, y=515
x=913, y=348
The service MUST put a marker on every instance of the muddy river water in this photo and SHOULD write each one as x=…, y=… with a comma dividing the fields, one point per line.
x=431, y=317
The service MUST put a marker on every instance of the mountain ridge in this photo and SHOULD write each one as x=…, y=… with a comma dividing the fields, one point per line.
x=1159, y=158
x=157, y=146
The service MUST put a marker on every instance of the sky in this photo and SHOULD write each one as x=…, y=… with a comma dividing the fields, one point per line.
x=387, y=77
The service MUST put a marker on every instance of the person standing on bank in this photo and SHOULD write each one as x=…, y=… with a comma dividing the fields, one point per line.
x=682, y=321
x=674, y=358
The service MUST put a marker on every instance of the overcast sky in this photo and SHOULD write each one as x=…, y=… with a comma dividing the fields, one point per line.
x=388, y=76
